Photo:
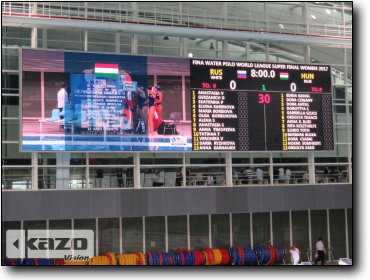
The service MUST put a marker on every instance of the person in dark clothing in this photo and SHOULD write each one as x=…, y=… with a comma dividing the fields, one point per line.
x=320, y=250
x=155, y=179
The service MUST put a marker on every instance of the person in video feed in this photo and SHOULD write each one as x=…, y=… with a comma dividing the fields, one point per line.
x=151, y=110
x=143, y=107
x=158, y=100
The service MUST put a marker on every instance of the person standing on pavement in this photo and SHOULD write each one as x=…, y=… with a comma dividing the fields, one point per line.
x=295, y=254
x=320, y=250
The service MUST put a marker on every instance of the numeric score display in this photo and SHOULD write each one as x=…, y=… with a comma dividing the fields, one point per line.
x=293, y=111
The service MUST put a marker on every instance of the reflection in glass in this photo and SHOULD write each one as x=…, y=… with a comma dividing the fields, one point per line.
x=241, y=230
x=132, y=235
x=300, y=233
x=86, y=224
x=319, y=228
x=261, y=228
x=281, y=232
x=108, y=236
x=220, y=231
x=177, y=233
x=337, y=233
x=5, y=226
x=155, y=234
x=349, y=222
x=199, y=232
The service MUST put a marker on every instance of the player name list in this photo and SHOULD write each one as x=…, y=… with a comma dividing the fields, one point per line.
x=214, y=120
x=299, y=122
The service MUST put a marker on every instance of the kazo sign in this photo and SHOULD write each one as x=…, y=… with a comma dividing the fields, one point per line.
x=49, y=243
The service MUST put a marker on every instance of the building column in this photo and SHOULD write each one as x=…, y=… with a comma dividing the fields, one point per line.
x=225, y=54
x=248, y=50
x=134, y=48
x=311, y=168
x=307, y=54
x=34, y=174
x=86, y=48
x=137, y=184
x=34, y=37
x=229, y=170
x=134, y=7
x=224, y=13
x=118, y=42
x=180, y=12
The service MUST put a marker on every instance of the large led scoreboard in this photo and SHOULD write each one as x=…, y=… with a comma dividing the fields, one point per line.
x=250, y=106
x=99, y=102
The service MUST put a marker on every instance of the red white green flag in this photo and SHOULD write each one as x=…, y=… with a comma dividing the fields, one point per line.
x=106, y=70
x=284, y=76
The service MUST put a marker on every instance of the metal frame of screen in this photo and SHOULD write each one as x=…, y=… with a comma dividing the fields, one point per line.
x=145, y=151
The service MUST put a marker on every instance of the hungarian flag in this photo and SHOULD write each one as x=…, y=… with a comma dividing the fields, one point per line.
x=129, y=84
x=106, y=70
x=284, y=76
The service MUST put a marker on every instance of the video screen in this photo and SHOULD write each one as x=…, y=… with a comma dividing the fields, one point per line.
x=99, y=102
x=106, y=102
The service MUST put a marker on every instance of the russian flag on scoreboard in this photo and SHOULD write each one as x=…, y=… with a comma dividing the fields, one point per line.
x=284, y=76
x=242, y=74
x=106, y=70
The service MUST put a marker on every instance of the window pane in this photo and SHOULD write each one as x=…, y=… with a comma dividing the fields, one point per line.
x=31, y=225
x=206, y=176
x=111, y=159
x=108, y=236
x=10, y=130
x=5, y=226
x=132, y=235
x=16, y=178
x=319, y=228
x=60, y=224
x=62, y=178
x=9, y=62
x=10, y=155
x=241, y=230
x=9, y=83
x=117, y=177
x=177, y=233
x=169, y=177
x=349, y=222
x=337, y=233
x=163, y=159
x=209, y=158
x=300, y=233
x=86, y=224
x=155, y=234
x=220, y=231
x=261, y=228
x=199, y=232
x=281, y=232
x=10, y=106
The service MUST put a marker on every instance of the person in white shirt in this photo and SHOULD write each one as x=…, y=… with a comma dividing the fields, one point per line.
x=295, y=253
x=287, y=175
x=320, y=250
x=62, y=97
x=259, y=174
x=281, y=174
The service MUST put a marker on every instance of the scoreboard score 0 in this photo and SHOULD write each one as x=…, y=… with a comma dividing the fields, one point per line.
x=253, y=106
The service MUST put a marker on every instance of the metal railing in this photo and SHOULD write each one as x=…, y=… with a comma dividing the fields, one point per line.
x=169, y=16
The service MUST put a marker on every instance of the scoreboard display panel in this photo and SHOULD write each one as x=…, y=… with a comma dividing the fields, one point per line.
x=252, y=106
x=111, y=102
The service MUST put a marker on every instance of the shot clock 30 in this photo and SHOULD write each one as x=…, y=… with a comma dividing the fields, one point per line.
x=293, y=111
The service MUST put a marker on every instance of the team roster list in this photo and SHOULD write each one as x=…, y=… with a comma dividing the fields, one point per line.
x=102, y=100
x=214, y=119
x=237, y=120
